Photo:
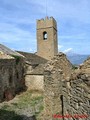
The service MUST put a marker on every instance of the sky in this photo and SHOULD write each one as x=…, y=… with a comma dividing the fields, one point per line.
x=18, y=23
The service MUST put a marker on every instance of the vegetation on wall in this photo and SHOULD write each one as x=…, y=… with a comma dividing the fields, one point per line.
x=17, y=58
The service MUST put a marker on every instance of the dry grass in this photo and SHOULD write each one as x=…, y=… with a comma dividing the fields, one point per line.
x=31, y=100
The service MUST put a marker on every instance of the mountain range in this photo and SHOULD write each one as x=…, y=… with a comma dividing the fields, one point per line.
x=75, y=58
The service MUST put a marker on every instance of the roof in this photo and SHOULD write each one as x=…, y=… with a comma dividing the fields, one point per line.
x=8, y=51
x=33, y=58
x=5, y=56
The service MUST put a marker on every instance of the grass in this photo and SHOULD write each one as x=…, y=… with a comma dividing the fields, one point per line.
x=29, y=99
x=9, y=115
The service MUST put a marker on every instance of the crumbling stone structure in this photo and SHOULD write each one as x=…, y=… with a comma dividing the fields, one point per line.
x=34, y=78
x=11, y=76
x=67, y=91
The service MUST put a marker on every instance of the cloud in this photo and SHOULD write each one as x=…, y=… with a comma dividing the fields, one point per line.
x=68, y=50
x=12, y=33
x=17, y=38
x=59, y=47
x=18, y=22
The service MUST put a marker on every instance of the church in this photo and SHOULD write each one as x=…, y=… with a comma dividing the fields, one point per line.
x=66, y=90
x=28, y=68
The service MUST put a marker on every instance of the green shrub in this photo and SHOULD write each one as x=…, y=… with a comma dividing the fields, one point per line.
x=17, y=58
x=74, y=67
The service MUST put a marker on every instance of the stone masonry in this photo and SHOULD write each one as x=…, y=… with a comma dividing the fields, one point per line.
x=34, y=79
x=67, y=91
x=11, y=76
x=55, y=71
x=47, y=44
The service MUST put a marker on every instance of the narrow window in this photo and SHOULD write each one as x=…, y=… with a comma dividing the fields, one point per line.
x=62, y=105
x=45, y=35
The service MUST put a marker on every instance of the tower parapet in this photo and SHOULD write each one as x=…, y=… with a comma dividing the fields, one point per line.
x=46, y=23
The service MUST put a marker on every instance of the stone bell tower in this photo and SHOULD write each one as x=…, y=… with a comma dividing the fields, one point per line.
x=47, y=44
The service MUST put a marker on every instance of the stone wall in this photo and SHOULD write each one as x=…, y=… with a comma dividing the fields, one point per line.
x=76, y=96
x=11, y=77
x=34, y=78
x=34, y=71
x=34, y=82
x=67, y=91
x=55, y=72
x=47, y=22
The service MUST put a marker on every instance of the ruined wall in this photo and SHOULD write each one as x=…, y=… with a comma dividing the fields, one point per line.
x=34, y=78
x=34, y=82
x=11, y=77
x=55, y=72
x=19, y=73
x=34, y=71
x=76, y=96
x=67, y=91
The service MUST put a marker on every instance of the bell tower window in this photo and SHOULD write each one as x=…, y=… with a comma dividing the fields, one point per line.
x=45, y=35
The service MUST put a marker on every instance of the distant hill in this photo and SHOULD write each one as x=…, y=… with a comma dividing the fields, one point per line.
x=76, y=58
